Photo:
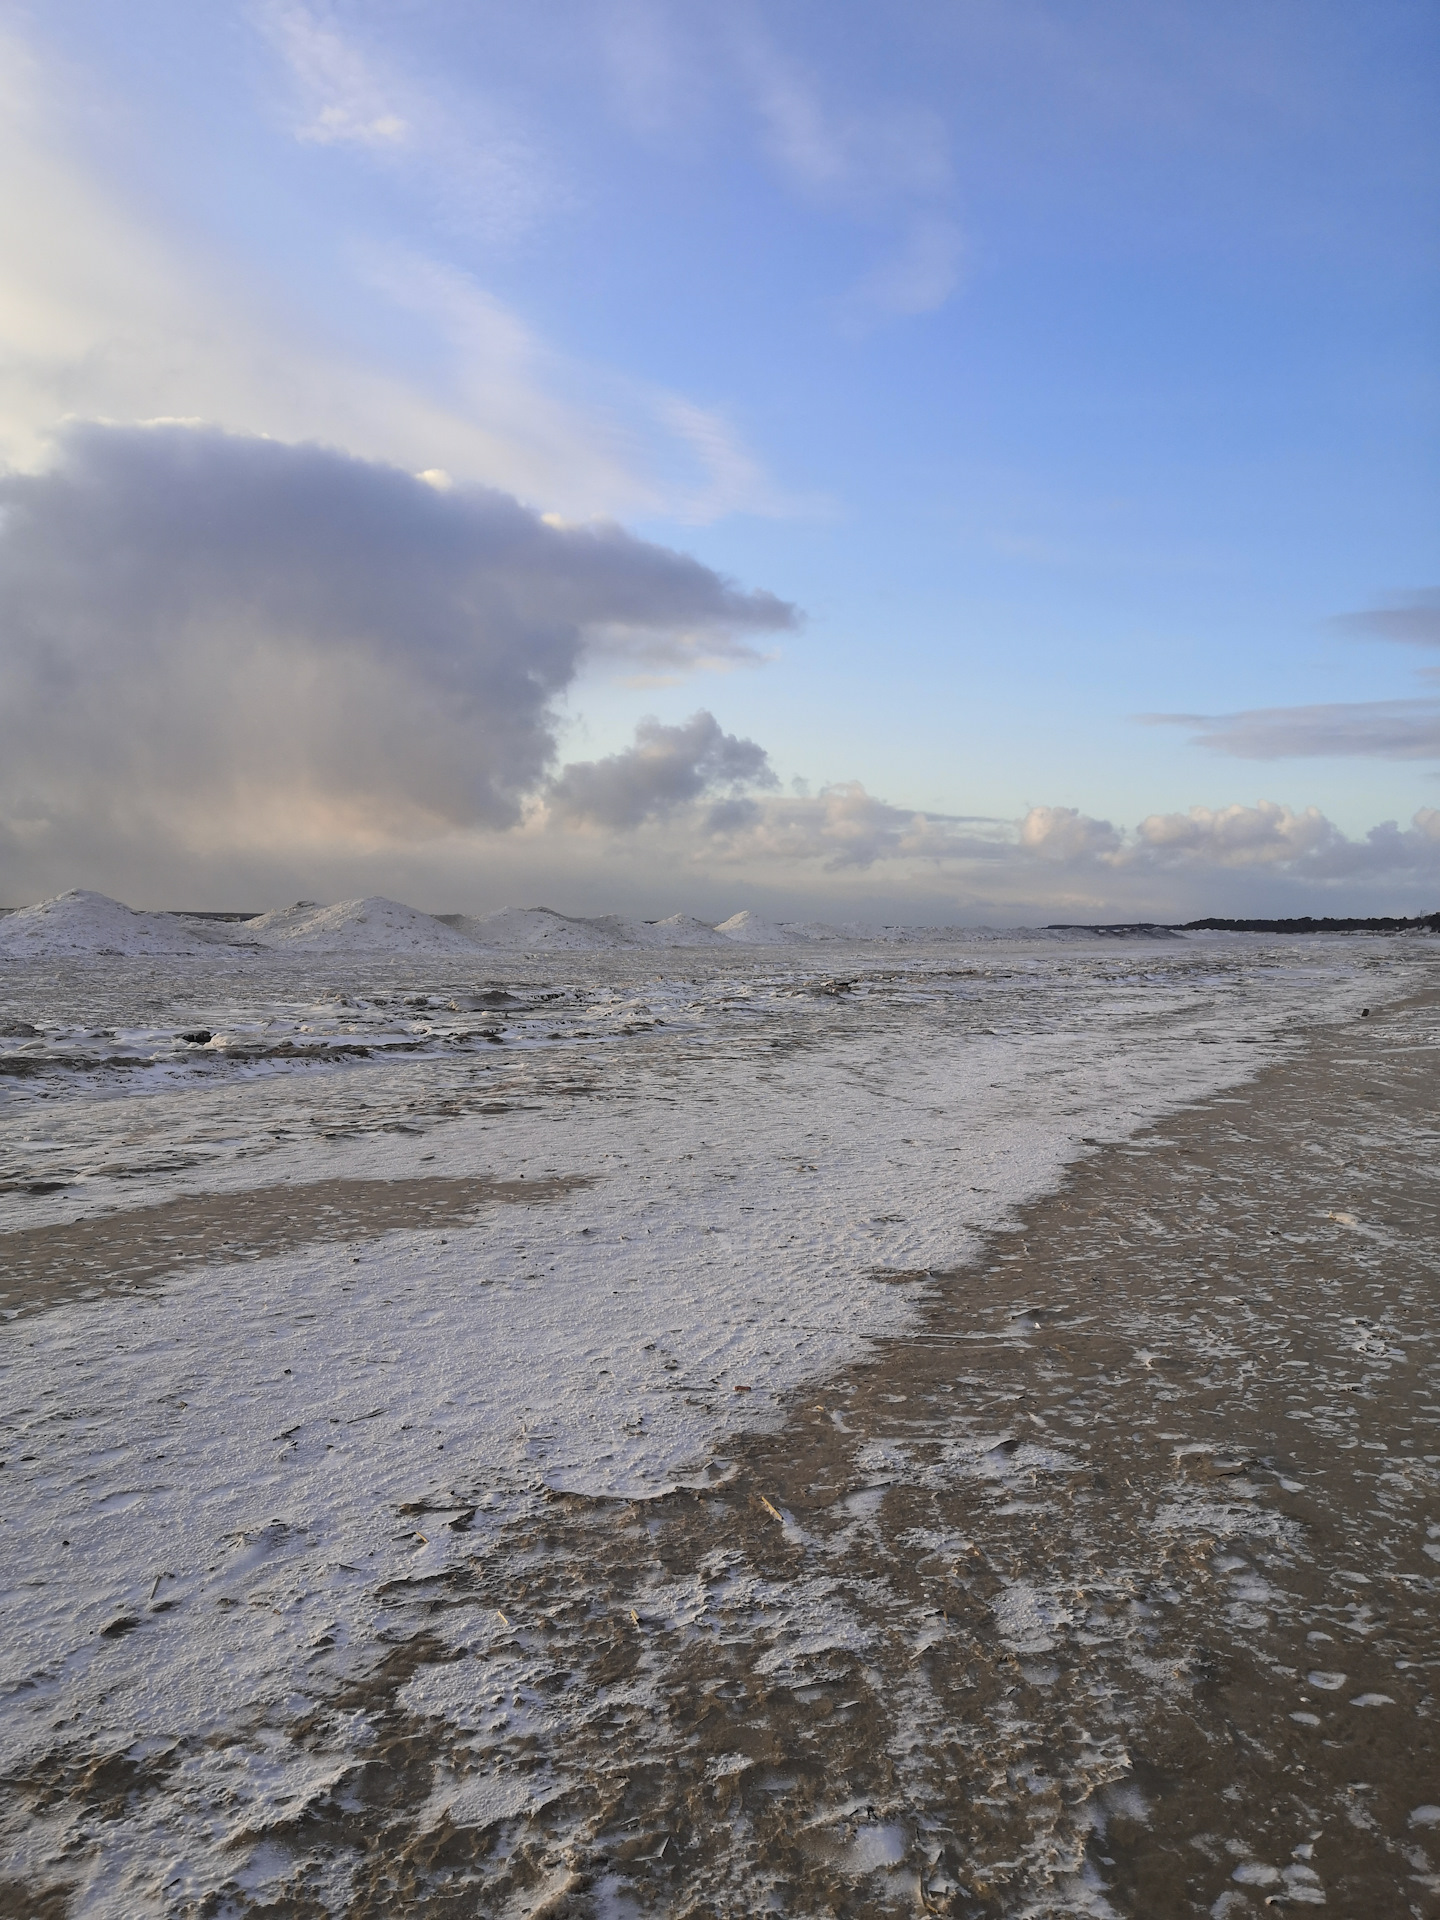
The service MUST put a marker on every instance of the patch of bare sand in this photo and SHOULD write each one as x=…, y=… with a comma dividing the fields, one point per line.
x=129, y=1250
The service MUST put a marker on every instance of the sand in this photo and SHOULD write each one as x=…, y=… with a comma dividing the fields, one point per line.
x=122, y=1252
x=1109, y=1589
x=1101, y=1581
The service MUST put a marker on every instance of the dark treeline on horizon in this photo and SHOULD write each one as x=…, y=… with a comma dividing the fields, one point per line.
x=1419, y=923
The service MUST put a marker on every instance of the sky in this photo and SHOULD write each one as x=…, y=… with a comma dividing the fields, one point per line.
x=955, y=460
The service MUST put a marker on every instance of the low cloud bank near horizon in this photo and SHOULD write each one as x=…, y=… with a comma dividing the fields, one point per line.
x=839, y=854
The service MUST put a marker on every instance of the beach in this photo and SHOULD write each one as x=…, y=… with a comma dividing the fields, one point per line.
x=927, y=1430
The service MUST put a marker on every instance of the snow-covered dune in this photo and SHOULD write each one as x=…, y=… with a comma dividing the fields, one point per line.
x=372, y=925
x=680, y=930
x=537, y=929
x=78, y=923
x=753, y=930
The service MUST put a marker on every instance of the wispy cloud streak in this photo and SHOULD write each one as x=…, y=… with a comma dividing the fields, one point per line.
x=1367, y=729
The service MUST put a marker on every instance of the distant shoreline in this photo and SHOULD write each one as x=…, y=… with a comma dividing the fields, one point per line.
x=1419, y=923
x=1112, y=929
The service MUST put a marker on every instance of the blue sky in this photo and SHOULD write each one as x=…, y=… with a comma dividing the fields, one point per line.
x=1062, y=364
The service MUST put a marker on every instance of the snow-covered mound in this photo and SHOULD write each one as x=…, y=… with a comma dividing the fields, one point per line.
x=680, y=930
x=78, y=923
x=529, y=929
x=372, y=925
x=753, y=930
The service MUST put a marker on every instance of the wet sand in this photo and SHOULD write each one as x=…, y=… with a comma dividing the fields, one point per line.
x=1106, y=1590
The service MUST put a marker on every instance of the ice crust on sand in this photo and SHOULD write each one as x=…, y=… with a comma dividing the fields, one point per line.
x=371, y=925
x=80, y=923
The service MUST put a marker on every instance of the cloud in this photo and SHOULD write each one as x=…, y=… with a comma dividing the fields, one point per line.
x=1355, y=729
x=1303, y=845
x=234, y=640
x=105, y=314
x=1263, y=835
x=1370, y=729
x=477, y=171
x=344, y=99
x=920, y=275
x=1055, y=851
x=842, y=827
x=888, y=165
x=667, y=768
x=1064, y=833
x=1415, y=621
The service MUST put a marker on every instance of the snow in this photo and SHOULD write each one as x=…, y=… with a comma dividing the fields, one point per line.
x=240, y=1445
x=78, y=923
x=372, y=925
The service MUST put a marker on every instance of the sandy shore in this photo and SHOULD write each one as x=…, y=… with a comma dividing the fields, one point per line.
x=1110, y=1588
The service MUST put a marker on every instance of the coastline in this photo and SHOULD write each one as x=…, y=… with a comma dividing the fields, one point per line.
x=916, y=1540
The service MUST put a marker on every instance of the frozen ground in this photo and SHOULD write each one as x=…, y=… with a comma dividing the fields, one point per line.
x=225, y=1448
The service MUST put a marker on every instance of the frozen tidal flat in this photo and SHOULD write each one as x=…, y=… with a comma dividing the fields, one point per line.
x=748, y=1158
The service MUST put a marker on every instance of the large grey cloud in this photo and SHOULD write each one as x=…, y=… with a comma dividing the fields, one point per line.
x=1370, y=729
x=256, y=640
x=667, y=768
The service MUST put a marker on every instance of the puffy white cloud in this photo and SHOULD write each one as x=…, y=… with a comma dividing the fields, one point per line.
x=242, y=638
x=1064, y=833
x=667, y=768
x=1262, y=835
